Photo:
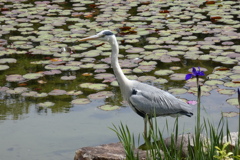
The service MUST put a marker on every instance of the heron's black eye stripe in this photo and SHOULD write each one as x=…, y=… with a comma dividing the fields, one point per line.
x=134, y=92
x=108, y=33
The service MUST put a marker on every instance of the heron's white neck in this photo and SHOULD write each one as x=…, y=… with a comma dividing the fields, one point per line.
x=121, y=78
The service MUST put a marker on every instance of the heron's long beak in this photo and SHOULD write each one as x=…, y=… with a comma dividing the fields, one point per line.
x=89, y=38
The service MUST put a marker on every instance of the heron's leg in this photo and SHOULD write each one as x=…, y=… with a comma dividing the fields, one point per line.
x=150, y=123
x=145, y=126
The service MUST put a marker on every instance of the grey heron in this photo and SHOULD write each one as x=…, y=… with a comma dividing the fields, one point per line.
x=146, y=100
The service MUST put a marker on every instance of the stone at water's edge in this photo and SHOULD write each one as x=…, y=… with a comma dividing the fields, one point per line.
x=112, y=151
x=115, y=151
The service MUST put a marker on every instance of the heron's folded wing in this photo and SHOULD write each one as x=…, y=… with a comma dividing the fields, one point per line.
x=156, y=101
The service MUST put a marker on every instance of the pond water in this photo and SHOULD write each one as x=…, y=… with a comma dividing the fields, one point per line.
x=53, y=89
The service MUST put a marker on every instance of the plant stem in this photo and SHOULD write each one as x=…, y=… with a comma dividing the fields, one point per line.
x=198, y=114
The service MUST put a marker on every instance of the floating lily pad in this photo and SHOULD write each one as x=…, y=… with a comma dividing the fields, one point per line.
x=8, y=60
x=101, y=95
x=57, y=92
x=214, y=82
x=32, y=75
x=45, y=104
x=231, y=84
x=95, y=86
x=52, y=72
x=227, y=91
x=3, y=67
x=146, y=78
x=108, y=107
x=163, y=72
x=74, y=93
x=177, y=91
x=14, y=78
x=17, y=90
x=68, y=77
x=177, y=76
x=160, y=81
x=80, y=101
x=230, y=114
x=233, y=101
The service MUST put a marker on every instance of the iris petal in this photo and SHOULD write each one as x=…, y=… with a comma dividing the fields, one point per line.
x=188, y=76
x=194, y=71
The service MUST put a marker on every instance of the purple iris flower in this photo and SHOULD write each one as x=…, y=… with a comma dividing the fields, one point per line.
x=194, y=73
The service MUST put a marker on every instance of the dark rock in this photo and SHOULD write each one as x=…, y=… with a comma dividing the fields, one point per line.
x=112, y=151
x=232, y=138
x=183, y=142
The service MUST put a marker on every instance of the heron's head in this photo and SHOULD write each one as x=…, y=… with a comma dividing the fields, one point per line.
x=104, y=35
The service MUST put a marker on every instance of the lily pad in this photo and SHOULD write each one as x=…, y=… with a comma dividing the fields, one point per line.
x=80, y=101
x=68, y=78
x=95, y=86
x=32, y=75
x=230, y=114
x=214, y=82
x=227, y=91
x=14, y=78
x=74, y=93
x=233, y=101
x=163, y=72
x=3, y=67
x=108, y=107
x=177, y=91
x=45, y=104
x=17, y=90
x=57, y=92
x=8, y=60
x=101, y=95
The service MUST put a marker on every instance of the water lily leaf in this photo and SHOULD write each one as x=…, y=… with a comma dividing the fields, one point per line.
x=39, y=95
x=108, y=107
x=8, y=60
x=14, y=78
x=3, y=67
x=213, y=82
x=160, y=81
x=163, y=72
x=177, y=91
x=52, y=72
x=114, y=83
x=232, y=101
x=45, y=104
x=32, y=75
x=68, y=77
x=95, y=86
x=146, y=78
x=104, y=76
x=80, y=101
x=3, y=89
x=17, y=90
x=101, y=95
x=135, y=50
x=88, y=65
x=100, y=66
x=226, y=91
x=177, y=76
x=231, y=84
x=57, y=92
x=74, y=93
x=29, y=94
x=230, y=114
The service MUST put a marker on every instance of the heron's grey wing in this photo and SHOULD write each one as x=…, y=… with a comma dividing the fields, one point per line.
x=151, y=100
